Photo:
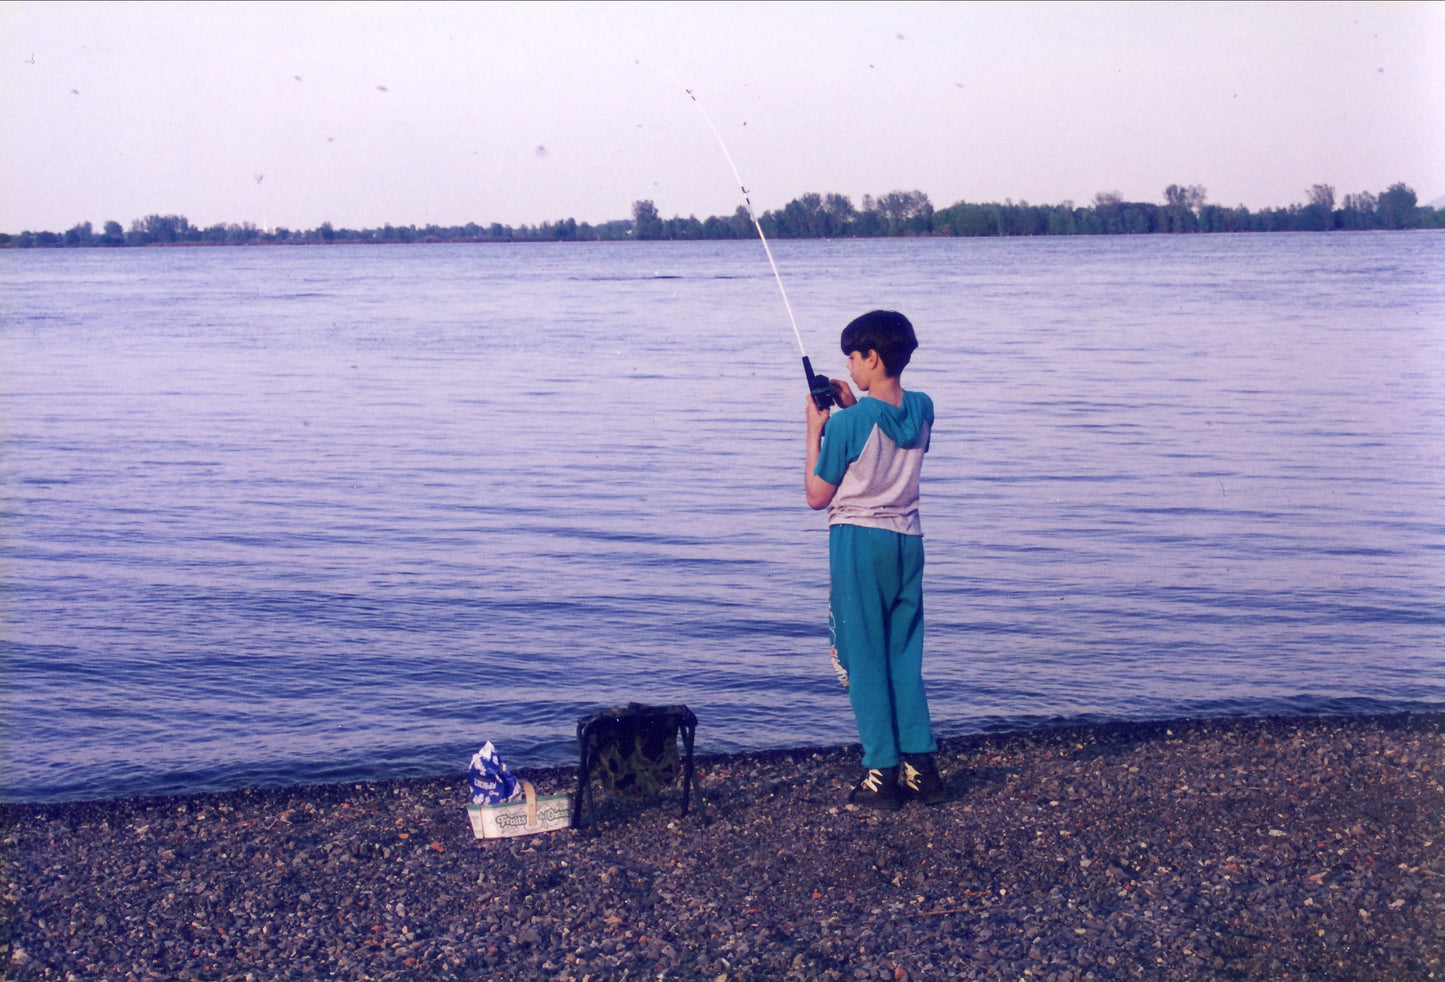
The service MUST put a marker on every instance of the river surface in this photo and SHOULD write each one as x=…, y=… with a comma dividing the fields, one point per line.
x=294, y=515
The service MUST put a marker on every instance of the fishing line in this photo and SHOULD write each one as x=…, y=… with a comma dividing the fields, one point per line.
x=818, y=385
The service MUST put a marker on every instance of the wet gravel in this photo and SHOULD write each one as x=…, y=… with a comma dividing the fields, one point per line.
x=1231, y=849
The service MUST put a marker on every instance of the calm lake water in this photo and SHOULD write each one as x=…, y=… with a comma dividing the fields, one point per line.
x=291, y=515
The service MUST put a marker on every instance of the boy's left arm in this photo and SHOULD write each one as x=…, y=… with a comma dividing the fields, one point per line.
x=818, y=491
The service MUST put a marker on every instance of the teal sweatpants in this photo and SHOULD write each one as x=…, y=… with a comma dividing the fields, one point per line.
x=876, y=621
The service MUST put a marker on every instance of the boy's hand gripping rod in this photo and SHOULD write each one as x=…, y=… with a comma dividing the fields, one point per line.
x=819, y=386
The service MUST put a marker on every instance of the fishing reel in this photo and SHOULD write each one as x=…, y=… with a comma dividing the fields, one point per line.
x=820, y=387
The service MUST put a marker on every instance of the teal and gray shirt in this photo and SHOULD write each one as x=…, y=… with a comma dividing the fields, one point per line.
x=873, y=452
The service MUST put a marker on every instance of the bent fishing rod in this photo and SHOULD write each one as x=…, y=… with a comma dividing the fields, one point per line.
x=820, y=387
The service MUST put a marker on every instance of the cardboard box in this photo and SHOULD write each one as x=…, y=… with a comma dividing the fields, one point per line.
x=535, y=814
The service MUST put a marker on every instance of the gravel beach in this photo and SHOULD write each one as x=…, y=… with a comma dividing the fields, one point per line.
x=1228, y=849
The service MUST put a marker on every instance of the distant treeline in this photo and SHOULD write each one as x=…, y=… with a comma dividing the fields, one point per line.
x=819, y=216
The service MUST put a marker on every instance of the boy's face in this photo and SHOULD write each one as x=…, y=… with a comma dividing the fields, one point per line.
x=861, y=367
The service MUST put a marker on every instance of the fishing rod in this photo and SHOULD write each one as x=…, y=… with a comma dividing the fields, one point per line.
x=820, y=387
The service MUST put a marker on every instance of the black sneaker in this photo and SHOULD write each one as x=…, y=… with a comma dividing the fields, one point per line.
x=919, y=780
x=878, y=789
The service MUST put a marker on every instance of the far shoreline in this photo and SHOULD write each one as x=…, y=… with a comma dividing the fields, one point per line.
x=299, y=243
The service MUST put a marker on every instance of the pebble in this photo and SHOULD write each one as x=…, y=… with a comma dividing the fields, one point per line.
x=1248, y=849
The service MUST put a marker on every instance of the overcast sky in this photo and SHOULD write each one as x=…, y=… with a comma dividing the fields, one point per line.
x=365, y=114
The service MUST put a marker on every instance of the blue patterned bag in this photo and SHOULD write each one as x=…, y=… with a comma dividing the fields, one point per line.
x=492, y=783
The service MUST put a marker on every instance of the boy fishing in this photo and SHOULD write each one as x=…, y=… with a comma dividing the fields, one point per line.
x=863, y=463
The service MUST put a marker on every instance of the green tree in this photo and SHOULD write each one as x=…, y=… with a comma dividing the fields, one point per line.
x=166, y=228
x=646, y=223
x=1397, y=206
x=839, y=211
x=1358, y=211
x=245, y=232
x=682, y=228
x=563, y=231
x=901, y=212
x=742, y=224
x=1322, y=207
x=1181, y=207
x=1109, y=212
x=802, y=218
x=79, y=235
x=1063, y=220
x=1140, y=217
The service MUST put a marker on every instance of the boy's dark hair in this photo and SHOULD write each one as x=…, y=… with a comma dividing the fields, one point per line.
x=886, y=332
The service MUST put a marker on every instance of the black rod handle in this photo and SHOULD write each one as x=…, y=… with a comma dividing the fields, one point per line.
x=819, y=387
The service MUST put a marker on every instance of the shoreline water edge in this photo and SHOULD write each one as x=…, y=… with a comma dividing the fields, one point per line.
x=1255, y=848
